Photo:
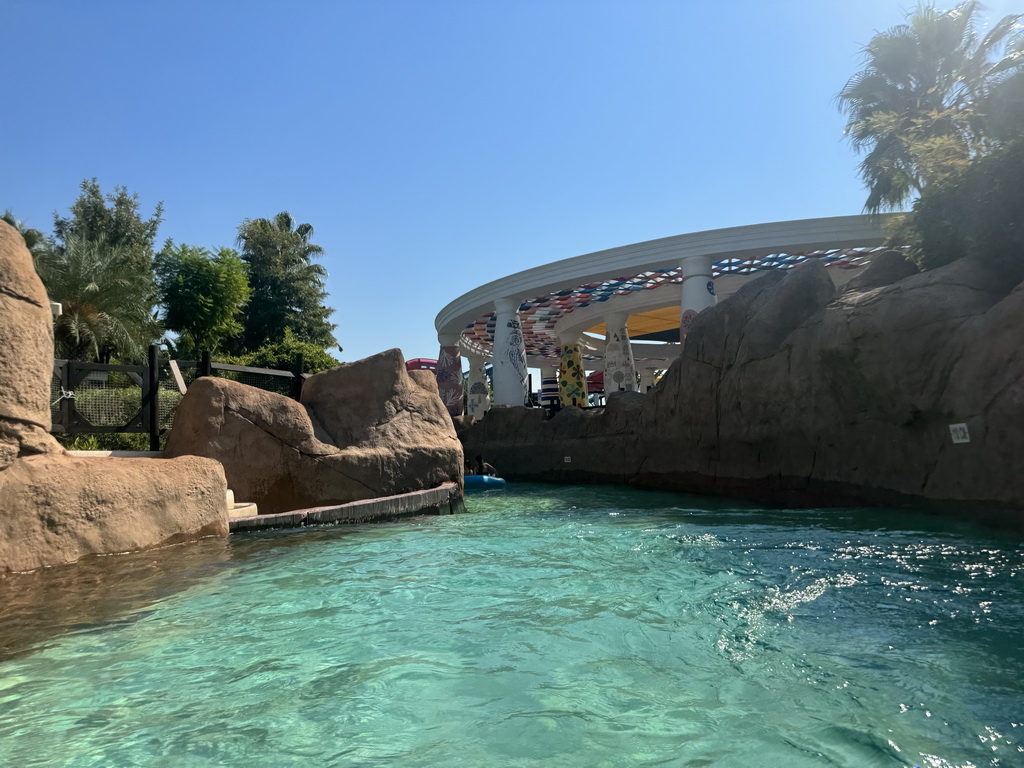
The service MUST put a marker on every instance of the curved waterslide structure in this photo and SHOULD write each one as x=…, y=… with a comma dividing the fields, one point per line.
x=624, y=310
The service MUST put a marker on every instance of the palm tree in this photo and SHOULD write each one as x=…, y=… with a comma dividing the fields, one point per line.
x=38, y=244
x=287, y=286
x=1004, y=109
x=106, y=303
x=918, y=106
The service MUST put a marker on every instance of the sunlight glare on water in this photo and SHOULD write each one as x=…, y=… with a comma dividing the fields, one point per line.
x=555, y=626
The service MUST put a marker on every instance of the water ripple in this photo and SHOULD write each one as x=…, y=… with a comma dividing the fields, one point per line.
x=552, y=626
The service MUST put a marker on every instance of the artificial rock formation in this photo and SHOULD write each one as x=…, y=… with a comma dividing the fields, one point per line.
x=55, y=508
x=788, y=393
x=362, y=430
x=26, y=354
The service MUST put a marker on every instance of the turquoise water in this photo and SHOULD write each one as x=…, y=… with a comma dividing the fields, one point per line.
x=554, y=626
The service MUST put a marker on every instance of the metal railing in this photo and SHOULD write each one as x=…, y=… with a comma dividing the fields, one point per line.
x=103, y=398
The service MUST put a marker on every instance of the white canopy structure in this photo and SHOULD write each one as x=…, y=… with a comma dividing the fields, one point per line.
x=590, y=311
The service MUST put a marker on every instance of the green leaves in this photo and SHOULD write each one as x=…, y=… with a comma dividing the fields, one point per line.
x=280, y=355
x=100, y=266
x=288, y=290
x=107, y=300
x=118, y=224
x=978, y=213
x=202, y=295
x=919, y=109
x=38, y=244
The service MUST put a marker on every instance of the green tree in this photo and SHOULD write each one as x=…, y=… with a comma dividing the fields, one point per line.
x=106, y=308
x=287, y=286
x=100, y=269
x=978, y=213
x=201, y=295
x=918, y=108
x=1005, y=109
x=118, y=225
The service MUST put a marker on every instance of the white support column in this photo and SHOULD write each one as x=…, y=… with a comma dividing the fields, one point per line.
x=698, y=291
x=479, y=400
x=509, y=361
x=619, y=370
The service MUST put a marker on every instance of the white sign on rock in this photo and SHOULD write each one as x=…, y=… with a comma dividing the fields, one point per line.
x=959, y=433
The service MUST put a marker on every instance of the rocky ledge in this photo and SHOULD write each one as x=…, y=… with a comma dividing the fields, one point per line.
x=362, y=430
x=787, y=392
x=55, y=508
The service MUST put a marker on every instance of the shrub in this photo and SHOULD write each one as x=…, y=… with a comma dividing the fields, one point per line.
x=280, y=355
x=108, y=441
x=979, y=213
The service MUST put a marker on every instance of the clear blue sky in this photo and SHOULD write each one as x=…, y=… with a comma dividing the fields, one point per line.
x=435, y=145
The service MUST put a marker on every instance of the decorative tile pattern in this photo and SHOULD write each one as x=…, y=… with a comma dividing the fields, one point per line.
x=572, y=379
x=449, y=379
x=539, y=315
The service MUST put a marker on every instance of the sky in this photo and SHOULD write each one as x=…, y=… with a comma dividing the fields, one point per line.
x=436, y=145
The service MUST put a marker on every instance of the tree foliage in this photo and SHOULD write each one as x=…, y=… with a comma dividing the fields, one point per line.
x=201, y=294
x=287, y=286
x=978, y=213
x=118, y=225
x=280, y=355
x=920, y=107
x=105, y=307
x=100, y=266
x=1005, y=110
x=100, y=269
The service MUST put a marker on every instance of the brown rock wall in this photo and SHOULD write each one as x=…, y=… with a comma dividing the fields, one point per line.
x=26, y=353
x=786, y=392
x=363, y=430
x=55, y=508
x=599, y=444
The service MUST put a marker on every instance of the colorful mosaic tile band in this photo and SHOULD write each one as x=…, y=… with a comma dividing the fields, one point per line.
x=538, y=316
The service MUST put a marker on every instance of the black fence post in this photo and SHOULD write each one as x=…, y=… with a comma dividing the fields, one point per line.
x=66, y=393
x=298, y=369
x=153, y=399
x=205, y=365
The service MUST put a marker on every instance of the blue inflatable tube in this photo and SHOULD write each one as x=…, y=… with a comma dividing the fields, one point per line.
x=484, y=483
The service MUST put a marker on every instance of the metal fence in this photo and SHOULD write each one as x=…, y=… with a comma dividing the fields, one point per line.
x=287, y=383
x=100, y=398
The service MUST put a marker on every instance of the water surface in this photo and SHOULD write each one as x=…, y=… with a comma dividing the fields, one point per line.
x=553, y=625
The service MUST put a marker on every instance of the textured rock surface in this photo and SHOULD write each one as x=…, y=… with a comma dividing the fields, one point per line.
x=55, y=508
x=576, y=445
x=26, y=353
x=363, y=430
x=787, y=393
x=885, y=269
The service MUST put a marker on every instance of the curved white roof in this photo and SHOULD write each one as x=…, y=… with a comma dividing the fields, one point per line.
x=571, y=295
